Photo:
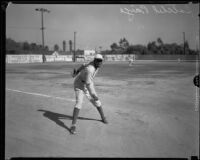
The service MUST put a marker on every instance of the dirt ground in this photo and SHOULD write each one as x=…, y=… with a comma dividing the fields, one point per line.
x=150, y=108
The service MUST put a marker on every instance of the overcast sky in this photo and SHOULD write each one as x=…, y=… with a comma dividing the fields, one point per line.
x=102, y=25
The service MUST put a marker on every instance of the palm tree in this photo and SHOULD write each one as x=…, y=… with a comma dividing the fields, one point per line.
x=64, y=45
x=56, y=47
x=160, y=42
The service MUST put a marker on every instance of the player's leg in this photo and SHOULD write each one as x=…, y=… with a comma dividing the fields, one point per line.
x=77, y=107
x=100, y=110
x=97, y=104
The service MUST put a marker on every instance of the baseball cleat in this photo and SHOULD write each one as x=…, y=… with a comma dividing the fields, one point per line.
x=73, y=130
x=105, y=121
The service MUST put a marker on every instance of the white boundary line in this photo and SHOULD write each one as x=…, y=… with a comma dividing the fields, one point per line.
x=38, y=94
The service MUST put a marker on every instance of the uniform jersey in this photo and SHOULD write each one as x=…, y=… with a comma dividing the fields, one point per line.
x=85, y=77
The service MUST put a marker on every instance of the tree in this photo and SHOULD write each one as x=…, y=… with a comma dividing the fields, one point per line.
x=114, y=46
x=56, y=47
x=187, y=48
x=33, y=46
x=46, y=48
x=159, y=41
x=152, y=47
x=178, y=50
x=123, y=43
x=136, y=49
x=130, y=49
x=64, y=45
x=70, y=45
x=40, y=47
x=12, y=45
x=26, y=46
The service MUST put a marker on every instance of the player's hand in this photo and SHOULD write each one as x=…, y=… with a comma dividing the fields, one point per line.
x=95, y=97
x=73, y=73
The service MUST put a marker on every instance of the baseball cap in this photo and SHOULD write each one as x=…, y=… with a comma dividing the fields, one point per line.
x=98, y=56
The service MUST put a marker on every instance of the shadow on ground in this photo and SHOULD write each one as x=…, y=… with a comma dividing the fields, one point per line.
x=57, y=116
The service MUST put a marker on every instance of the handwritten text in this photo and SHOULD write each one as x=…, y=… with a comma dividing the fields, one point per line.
x=161, y=9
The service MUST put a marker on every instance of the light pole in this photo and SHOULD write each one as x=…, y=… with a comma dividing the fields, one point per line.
x=42, y=10
x=74, y=46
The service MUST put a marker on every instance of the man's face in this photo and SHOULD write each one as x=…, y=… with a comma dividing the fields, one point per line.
x=98, y=63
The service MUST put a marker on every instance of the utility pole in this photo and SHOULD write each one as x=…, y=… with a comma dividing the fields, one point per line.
x=74, y=46
x=42, y=10
x=183, y=43
x=198, y=54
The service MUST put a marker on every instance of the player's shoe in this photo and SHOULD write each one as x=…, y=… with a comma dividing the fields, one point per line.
x=73, y=130
x=105, y=121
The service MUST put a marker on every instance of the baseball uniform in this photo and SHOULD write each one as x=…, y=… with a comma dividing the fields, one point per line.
x=84, y=80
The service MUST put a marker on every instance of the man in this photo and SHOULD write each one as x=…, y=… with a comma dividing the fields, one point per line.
x=83, y=84
x=130, y=61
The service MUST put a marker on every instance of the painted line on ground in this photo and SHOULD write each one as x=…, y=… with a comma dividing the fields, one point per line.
x=39, y=94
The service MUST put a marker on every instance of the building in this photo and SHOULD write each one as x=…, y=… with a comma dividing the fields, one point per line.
x=89, y=54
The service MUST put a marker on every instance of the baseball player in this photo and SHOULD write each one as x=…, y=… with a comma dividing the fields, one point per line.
x=83, y=84
x=130, y=61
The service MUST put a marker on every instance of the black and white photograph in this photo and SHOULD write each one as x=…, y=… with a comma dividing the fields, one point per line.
x=102, y=80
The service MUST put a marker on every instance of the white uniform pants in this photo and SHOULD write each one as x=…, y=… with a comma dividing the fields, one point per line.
x=79, y=98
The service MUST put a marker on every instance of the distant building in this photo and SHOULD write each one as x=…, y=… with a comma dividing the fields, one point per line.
x=55, y=53
x=89, y=54
x=80, y=55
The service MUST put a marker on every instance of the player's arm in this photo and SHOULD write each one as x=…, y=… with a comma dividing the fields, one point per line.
x=92, y=91
x=76, y=71
x=90, y=85
x=80, y=68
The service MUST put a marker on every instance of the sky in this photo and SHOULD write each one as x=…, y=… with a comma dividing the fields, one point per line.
x=101, y=25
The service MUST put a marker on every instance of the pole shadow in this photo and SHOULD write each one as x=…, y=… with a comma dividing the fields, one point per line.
x=56, y=117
